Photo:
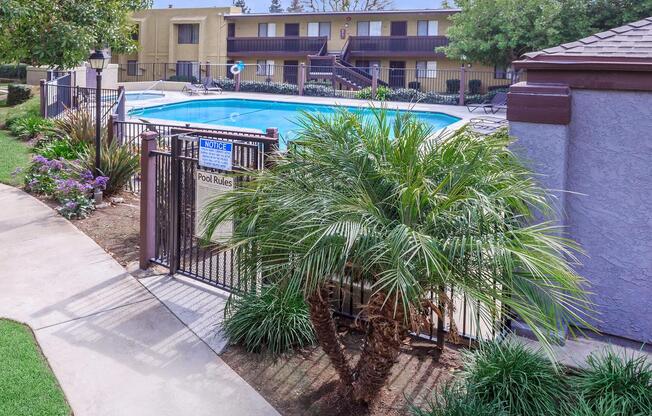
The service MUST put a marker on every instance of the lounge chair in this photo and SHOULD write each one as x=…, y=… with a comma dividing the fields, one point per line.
x=487, y=125
x=192, y=89
x=211, y=86
x=499, y=102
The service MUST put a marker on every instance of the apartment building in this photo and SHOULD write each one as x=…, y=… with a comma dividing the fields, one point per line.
x=338, y=47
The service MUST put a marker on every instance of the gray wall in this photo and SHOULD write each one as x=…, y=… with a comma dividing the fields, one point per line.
x=605, y=158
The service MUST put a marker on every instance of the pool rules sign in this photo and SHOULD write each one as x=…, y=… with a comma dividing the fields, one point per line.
x=213, y=154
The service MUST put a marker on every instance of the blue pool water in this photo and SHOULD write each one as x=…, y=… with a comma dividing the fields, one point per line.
x=138, y=96
x=259, y=114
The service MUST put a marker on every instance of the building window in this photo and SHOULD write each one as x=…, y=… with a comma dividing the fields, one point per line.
x=426, y=69
x=265, y=67
x=321, y=29
x=132, y=68
x=135, y=32
x=188, y=33
x=187, y=71
x=501, y=72
x=266, y=30
x=427, y=28
x=367, y=66
x=369, y=28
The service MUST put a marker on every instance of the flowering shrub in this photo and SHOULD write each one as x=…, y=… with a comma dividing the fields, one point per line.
x=72, y=188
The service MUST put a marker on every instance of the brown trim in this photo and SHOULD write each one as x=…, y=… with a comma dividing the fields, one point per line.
x=272, y=54
x=594, y=80
x=558, y=58
x=273, y=16
x=588, y=65
x=539, y=103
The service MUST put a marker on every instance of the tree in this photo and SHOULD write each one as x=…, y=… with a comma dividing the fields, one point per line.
x=401, y=213
x=345, y=5
x=295, y=6
x=497, y=32
x=275, y=7
x=58, y=33
x=242, y=5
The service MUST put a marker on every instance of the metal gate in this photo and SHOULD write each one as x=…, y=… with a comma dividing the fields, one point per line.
x=177, y=245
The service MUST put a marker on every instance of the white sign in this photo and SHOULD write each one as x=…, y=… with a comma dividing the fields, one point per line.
x=215, y=154
x=209, y=185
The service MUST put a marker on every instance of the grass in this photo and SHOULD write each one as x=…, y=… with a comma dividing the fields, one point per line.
x=27, y=385
x=13, y=154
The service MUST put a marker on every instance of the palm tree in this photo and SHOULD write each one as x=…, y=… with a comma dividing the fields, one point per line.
x=403, y=212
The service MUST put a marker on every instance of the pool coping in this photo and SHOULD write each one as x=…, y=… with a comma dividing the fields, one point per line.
x=173, y=97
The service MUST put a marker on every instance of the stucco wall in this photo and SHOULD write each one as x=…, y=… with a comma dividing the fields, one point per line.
x=604, y=159
x=610, y=164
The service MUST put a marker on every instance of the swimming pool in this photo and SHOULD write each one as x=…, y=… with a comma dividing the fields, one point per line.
x=259, y=114
x=138, y=96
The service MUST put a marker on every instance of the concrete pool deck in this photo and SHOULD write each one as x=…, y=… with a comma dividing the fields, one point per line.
x=172, y=97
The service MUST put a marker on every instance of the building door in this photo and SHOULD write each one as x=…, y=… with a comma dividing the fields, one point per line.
x=291, y=29
x=290, y=72
x=231, y=30
x=397, y=74
x=398, y=29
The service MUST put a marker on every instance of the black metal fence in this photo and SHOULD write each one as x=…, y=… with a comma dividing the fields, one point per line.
x=60, y=95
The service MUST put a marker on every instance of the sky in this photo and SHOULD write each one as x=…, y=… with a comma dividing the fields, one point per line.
x=262, y=6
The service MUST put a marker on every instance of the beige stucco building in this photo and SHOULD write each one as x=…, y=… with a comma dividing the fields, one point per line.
x=179, y=43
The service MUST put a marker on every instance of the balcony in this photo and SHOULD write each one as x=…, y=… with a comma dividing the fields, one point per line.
x=395, y=46
x=274, y=46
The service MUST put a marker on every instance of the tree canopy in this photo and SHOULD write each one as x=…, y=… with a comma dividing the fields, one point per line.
x=346, y=5
x=497, y=32
x=241, y=4
x=61, y=33
x=275, y=7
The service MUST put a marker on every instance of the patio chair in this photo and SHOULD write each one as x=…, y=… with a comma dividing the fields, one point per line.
x=211, y=86
x=192, y=89
x=499, y=102
x=487, y=125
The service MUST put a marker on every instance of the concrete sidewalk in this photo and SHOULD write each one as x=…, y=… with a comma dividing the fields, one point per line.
x=115, y=348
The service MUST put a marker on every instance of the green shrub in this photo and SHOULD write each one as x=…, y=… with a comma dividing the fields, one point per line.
x=117, y=162
x=9, y=71
x=76, y=126
x=364, y=94
x=268, y=87
x=18, y=93
x=184, y=78
x=60, y=148
x=454, y=400
x=318, y=90
x=474, y=86
x=452, y=86
x=27, y=109
x=625, y=381
x=604, y=406
x=276, y=320
x=29, y=127
x=522, y=379
x=382, y=93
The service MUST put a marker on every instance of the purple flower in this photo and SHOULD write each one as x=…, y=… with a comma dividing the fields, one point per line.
x=70, y=205
x=39, y=159
x=101, y=181
x=86, y=175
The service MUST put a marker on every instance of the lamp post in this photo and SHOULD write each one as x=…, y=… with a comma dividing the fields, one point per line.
x=98, y=60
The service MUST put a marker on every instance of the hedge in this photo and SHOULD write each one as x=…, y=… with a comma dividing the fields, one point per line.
x=18, y=93
x=8, y=71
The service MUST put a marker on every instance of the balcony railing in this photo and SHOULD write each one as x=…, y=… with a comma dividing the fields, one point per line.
x=395, y=46
x=280, y=46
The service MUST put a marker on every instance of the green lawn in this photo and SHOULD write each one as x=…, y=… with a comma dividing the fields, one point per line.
x=13, y=154
x=27, y=385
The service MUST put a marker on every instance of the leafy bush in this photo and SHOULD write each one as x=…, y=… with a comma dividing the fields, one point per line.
x=58, y=179
x=276, y=320
x=18, y=93
x=60, y=149
x=268, y=87
x=29, y=127
x=452, y=86
x=318, y=90
x=30, y=108
x=454, y=400
x=406, y=95
x=474, y=86
x=18, y=71
x=76, y=126
x=226, y=84
x=364, y=94
x=382, y=93
x=117, y=162
x=623, y=383
x=522, y=379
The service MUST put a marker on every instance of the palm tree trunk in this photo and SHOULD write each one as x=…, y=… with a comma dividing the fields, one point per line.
x=382, y=346
x=322, y=321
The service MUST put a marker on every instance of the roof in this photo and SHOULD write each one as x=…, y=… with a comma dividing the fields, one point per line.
x=633, y=40
x=352, y=12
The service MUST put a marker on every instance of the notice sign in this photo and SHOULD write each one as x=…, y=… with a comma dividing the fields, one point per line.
x=215, y=154
x=209, y=186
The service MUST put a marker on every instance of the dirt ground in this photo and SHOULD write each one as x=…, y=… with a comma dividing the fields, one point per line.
x=293, y=384
x=115, y=228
